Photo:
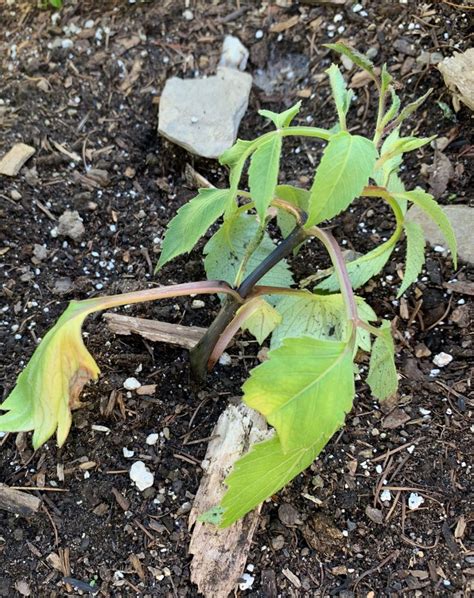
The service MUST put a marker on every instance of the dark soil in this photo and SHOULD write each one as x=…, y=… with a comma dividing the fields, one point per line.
x=98, y=99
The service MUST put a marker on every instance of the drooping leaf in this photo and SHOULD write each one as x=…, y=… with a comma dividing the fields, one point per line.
x=319, y=316
x=304, y=386
x=262, y=321
x=297, y=197
x=342, y=96
x=49, y=386
x=282, y=119
x=362, y=269
x=263, y=173
x=382, y=377
x=191, y=222
x=226, y=249
x=345, y=167
x=263, y=472
x=415, y=257
x=357, y=58
x=429, y=205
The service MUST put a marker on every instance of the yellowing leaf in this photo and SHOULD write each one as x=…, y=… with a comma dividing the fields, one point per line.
x=262, y=321
x=49, y=387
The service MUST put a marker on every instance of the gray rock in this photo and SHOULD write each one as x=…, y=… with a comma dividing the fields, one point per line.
x=203, y=115
x=462, y=220
x=70, y=225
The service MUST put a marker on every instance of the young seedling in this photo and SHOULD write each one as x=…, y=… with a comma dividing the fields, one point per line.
x=306, y=387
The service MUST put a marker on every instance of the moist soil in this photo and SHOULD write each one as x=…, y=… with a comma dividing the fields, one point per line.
x=89, y=107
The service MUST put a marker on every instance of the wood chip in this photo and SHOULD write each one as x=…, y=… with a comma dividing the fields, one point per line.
x=220, y=554
x=17, y=502
x=458, y=74
x=284, y=25
x=156, y=331
x=123, y=502
x=292, y=577
x=12, y=162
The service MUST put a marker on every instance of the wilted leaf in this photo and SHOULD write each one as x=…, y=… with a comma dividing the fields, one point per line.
x=49, y=386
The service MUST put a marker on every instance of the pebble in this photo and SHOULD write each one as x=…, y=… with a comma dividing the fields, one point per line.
x=152, y=439
x=15, y=195
x=225, y=359
x=259, y=34
x=385, y=496
x=442, y=359
x=127, y=453
x=131, y=384
x=70, y=225
x=141, y=475
x=247, y=581
x=415, y=501
x=234, y=54
x=188, y=15
x=198, y=304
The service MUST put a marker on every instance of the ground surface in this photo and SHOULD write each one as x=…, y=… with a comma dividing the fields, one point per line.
x=328, y=533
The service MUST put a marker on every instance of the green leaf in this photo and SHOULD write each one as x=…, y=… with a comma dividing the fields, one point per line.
x=262, y=322
x=191, y=222
x=263, y=173
x=382, y=377
x=345, y=167
x=407, y=144
x=235, y=158
x=305, y=386
x=342, y=96
x=297, y=197
x=415, y=254
x=393, y=110
x=264, y=471
x=226, y=248
x=282, y=119
x=50, y=385
x=319, y=316
x=385, y=80
x=212, y=516
x=362, y=269
x=410, y=108
x=428, y=204
x=357, y=58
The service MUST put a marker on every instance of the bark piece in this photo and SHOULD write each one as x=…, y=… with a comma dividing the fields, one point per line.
x=12, y=161
x=458, y=74
x=17, y=502
x=220, y=554
x=156, y=331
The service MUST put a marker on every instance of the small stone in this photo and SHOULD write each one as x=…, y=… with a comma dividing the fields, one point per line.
x=234, y=54
x=421, y=350
x=188, y=15
x=288, y=515
x=15, y=195
x=404, y=47
x=40, y=252
x=278, y=542
x=131, y=384
x=198, y=304
x=415, y=501
x=225, y=359
x=374, y=515
x=62, y=285
x=218, y=103
x=71, y=225
x=385, y=496
x=442, y=359
x=141, y=475
x=127, y=453
x=152, y=439
x=246, y=581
